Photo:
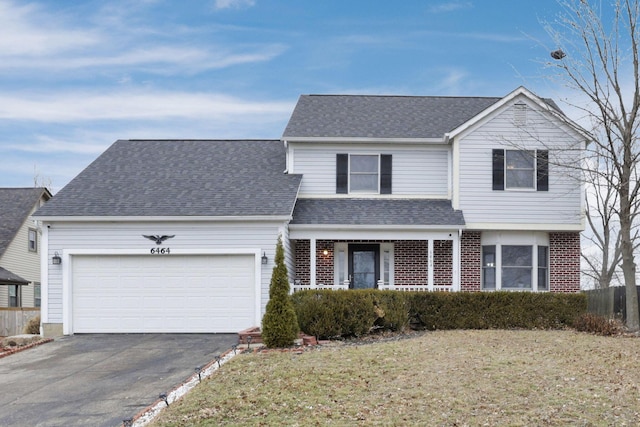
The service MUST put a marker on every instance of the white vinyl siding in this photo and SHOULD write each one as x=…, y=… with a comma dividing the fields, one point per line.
x=562, y=204
x=192, y=236
x=417, y=171
x=19, y=260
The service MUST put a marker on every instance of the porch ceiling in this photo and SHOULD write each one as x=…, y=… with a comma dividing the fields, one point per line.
x=392, y=212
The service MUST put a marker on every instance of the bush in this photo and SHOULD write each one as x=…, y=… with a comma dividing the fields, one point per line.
x=594, y=324
x=279, y=324
x=330, y=314
x=333, y=314
x=33, y=327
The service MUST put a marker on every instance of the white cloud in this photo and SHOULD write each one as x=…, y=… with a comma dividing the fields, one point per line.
x=234, y=4
x=27, y=31
x=125, y=105
x=450, y=6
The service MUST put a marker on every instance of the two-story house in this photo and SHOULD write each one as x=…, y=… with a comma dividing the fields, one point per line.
x=387, y=192
x=20, y=246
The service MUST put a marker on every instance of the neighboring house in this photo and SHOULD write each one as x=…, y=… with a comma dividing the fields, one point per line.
x=20, y=246
x=388, y=192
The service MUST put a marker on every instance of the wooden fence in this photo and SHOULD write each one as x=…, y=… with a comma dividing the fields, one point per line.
x=609, y=302
x=13, y=320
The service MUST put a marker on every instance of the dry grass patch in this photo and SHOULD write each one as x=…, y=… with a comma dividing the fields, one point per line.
x=516, y=378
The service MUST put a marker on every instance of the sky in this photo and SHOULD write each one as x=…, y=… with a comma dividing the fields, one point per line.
x=77, y=76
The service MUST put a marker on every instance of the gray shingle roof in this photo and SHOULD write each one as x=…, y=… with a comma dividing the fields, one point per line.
x=8, y=278
x=381, y=116
x=181, y=178
x=376, y=212
x=15, y=207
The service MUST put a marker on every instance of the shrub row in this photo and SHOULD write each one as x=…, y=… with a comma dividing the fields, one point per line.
x=330, y=314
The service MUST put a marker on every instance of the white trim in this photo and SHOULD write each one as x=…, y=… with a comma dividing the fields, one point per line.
x=352, y=233
x=67, y=264
x=372, y=196
x=481, y=226
x=366, y=140
x=312, y=261
x=185, y=218
x=44, y=276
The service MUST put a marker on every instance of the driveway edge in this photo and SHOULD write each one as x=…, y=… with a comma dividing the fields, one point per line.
x=147, y=415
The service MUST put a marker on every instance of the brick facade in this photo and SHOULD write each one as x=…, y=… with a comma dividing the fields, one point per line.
x=411, y=261
x=303, y=268
x=564, y=262
x=471, y=264
x=443, y=262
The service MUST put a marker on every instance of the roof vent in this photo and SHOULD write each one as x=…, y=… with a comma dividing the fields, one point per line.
x=520, y=114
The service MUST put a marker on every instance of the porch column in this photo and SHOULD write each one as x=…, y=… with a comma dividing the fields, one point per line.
x=455, y=268
x=430, y=264
x=312, y=262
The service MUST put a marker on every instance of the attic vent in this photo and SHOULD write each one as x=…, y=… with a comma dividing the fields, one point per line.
x=520, y=114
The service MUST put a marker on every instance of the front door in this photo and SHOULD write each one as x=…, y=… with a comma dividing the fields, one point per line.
x=364, y=266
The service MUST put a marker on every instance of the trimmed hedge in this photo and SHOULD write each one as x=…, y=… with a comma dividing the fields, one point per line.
x=331, y=314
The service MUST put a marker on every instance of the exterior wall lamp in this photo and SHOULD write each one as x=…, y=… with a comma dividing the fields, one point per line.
x=56, y=260
x=265, y=259
x=325, y=252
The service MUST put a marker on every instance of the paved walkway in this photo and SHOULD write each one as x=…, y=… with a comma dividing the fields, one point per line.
x=97, y=379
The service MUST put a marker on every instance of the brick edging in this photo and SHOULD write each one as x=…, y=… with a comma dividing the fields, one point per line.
x=10, y=351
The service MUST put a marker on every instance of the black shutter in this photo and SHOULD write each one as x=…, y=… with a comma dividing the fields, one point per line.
x=498, y=169
x=385, y=173
x=542, y=170
x=342, y=173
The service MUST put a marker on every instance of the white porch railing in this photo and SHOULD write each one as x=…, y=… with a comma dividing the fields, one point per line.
x=381, y=286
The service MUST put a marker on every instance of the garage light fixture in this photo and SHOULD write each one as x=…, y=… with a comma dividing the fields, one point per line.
x=265, y=260
x=56, y=260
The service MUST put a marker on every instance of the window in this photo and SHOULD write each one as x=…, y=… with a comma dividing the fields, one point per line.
x=543, y=268
x=515, y=267
x=520, y=169
x=37, y=299
x=488, y=267
x=33, y=240
x=363, y=174
x=14, y=296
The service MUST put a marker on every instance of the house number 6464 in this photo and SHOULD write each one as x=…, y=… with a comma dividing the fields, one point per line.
x=160, y=251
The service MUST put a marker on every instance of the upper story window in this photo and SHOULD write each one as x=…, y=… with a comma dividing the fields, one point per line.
x=520, y=169
x=363, y=173
x=33, y=240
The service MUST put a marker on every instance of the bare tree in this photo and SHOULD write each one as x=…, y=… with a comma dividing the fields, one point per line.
x=603, y=234
x=597, y=55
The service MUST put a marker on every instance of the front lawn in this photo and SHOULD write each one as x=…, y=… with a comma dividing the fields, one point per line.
x=462, y=377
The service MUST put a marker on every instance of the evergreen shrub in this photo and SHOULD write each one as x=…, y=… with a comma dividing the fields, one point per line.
x=279, y=324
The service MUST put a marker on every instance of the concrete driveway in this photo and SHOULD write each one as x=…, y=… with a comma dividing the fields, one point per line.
x=98, y=379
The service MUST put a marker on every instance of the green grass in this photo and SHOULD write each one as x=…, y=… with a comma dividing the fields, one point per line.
x=474, y=378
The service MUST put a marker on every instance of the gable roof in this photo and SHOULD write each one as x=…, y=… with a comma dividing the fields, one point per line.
x=374, y=116
x=170, y=178
x=15, y=206
x=390, y=117
x=413, y=212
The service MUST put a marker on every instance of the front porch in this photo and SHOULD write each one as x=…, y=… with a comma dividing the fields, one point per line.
x=429, y=264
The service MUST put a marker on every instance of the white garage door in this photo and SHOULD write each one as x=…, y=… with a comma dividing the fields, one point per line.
x=177, y=293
